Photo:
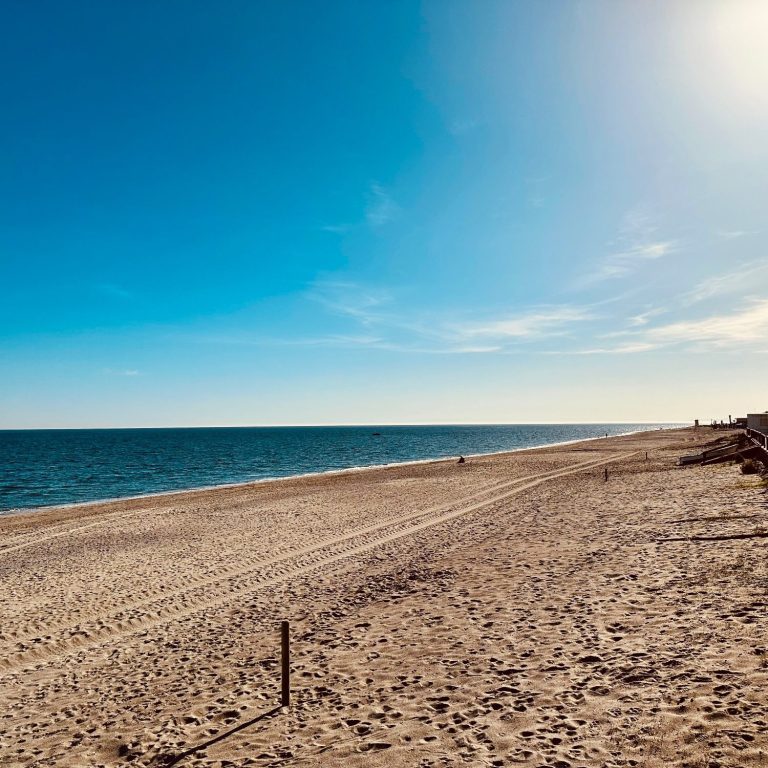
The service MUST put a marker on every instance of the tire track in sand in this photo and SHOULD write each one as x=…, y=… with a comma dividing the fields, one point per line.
x=268, y=573
x=34, y=627
x=16, y=542
x=149, y=594
x=120, y=610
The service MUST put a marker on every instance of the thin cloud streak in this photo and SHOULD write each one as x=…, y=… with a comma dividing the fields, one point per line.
x=350, y=299
x=375, y=310
x=624, y=263
x=381, y=208
x=460, y=126
x=373, y=319
x=621, y=349
x=245, y=339
x=336, y=229
x=114, y=291
x=536, y=323
x=748, y=277
x=742, y=327
x=637, y=243
x=130, y=372
x=644, y=317
x=734, y=234
x=745, y=328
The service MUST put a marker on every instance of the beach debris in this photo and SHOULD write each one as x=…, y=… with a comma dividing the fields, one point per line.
x=757, y=534
x=461, y=460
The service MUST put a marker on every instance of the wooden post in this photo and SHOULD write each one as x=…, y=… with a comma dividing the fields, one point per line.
x=285, y=644
x=646, y=455
x=606, y=474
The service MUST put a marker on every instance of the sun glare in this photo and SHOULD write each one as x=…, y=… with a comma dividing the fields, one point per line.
x=737, y=53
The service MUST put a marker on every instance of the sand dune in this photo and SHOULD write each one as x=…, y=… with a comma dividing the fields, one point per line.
x=514, y=610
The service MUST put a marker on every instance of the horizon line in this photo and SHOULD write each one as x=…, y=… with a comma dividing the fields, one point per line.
x=355, y=424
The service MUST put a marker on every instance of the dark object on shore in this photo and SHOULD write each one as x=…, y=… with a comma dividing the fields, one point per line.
x=606, y=474
x=376, y=434
x=751, y=467
x=461, y=460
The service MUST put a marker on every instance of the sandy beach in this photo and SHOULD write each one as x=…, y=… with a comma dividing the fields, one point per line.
x=514, y=610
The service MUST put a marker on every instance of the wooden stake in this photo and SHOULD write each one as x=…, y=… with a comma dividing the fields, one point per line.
x=606, y=474
x=285, y=643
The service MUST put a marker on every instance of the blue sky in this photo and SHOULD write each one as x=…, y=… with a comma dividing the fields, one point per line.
x=364, y=212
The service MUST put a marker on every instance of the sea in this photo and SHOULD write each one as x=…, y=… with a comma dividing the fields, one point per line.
x=49, y=467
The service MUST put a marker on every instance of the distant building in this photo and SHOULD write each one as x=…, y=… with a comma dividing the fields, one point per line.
x=740, y=421
x=758, y=421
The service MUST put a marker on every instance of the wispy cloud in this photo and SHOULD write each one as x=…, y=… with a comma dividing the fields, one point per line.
x=340, y=340
x=638, y=222
x=624, y=263
x=739, y=328
x=536, y=187
x=743, y=328
x=643, y=318
x=376, y=310
x=750, y=277
x=337, y=229
x=414, y=344
x=733, y=234
x=631, y=348
x=245, y=338
x=113, y=291
x=381, y=208
x=122, y=372
x=460, y=126
x=535, y=323
x=361, y=316
x=637, y=244
x=350, y=299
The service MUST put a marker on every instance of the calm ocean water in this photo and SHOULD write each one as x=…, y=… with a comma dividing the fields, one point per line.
x=45, y=467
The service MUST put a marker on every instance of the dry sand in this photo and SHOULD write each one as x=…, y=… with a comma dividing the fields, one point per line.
x=514, y=610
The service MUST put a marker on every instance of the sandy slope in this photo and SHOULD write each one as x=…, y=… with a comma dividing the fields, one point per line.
x=517, y=610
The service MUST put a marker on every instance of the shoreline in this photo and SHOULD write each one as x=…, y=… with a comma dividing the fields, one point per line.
x=322, y=473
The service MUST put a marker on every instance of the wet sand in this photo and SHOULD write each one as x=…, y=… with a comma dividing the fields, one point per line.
x=514, y=610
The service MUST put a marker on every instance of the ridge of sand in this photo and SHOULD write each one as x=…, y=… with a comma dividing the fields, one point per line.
x=517, y=610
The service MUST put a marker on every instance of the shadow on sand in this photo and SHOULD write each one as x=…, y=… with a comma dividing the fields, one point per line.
x=167, y=760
